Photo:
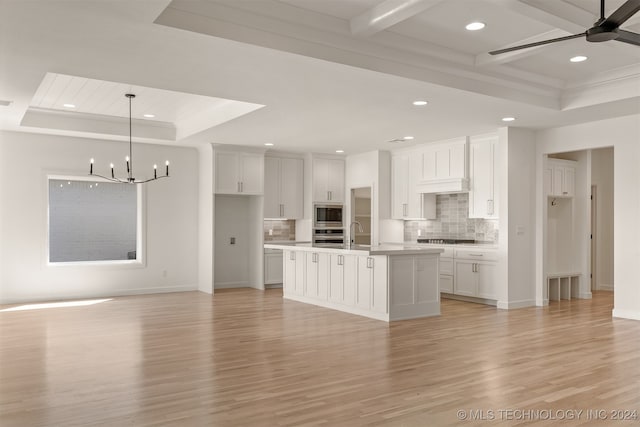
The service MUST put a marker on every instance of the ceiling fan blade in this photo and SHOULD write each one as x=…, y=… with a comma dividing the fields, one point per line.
x=525, y=46
x=628, y=37
x=624, y=12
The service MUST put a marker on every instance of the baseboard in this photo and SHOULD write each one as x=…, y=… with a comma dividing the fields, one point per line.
x=626, y=314
x=509, y=305
x=604, y=287
x=474, y=300
x=230, y=285
x=542, y=302
x=104, y=294
x=585, y=295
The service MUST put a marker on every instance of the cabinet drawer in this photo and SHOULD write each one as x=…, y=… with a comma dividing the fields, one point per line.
x=478, y=255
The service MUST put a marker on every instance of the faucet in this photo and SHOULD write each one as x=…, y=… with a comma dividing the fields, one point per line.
x=353, y=235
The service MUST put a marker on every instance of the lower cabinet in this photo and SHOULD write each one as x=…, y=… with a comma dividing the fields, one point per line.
x=294, y=272
x=371, y=290
x=343, y=275
x=446, y=283
x=317, y=275
x=273, y=267
x=476, y=279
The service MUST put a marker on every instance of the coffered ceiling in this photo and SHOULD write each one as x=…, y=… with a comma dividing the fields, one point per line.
x=330, y=73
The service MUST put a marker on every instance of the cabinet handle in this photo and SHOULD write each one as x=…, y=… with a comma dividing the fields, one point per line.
x=369, y=262
x=565, y=192
x=475, y=254
x=473, y=267
x=292, y=256
x=341, y=259
x=238, y=186
x=241, y=187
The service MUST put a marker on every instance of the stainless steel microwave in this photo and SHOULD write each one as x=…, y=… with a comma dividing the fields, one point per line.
x=327, y=216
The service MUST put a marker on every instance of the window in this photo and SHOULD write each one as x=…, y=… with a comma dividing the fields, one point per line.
x=93, y=221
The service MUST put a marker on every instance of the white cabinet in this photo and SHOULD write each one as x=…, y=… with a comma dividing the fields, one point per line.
x=289, y=271
x=283, y=188
x=371, y=288
x=407, y=203
x=446, y=271
x=476, y=274
x=328, y=180
x=343, y=275
x=483, y=195
x=317, y=275
x=560, y=178
x=445, y=160
x=273, y=267
x=239, y=173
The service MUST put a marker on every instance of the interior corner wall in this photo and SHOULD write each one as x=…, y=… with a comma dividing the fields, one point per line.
x=602, y=168
x=205, y=219
x=171, y=220
x=623, y=133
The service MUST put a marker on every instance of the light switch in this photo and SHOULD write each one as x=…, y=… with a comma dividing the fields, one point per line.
x=232, y=240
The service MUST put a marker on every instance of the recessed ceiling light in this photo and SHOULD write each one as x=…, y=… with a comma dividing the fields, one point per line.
x=474, y=26
x=407, y=138
x=268, y=144
x=420, y=103
x=578, y=58
x=508, y=119
x=69, y=105
x=339, y=151
x=149, y=116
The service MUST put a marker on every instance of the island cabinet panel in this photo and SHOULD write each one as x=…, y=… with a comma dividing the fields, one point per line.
x=417, y=295
x=400, y=285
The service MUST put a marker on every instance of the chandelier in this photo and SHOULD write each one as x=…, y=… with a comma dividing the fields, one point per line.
x=129, y=159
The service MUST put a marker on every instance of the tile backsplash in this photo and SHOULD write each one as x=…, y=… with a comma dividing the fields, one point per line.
x=453, y=222
x=281, y=230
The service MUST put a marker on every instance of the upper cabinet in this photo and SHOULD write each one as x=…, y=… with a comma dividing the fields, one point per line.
x=406, y=202
x=328, y=180
x=445, y=160
x=283, y=187
x=560, y=178
x=483, y=186
x=239, y=173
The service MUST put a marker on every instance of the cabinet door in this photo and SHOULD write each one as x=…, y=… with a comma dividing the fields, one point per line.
x=400, y=186
x=311, y=288
x=320, y=183
x=336, y=181
x=458, y=160
x=252, y=180
x=380, y=296
x=322, y=264
x=290, y=276
x=365, y=282
x=429, y=164
x=487, y=280
x=272, y=203
x=300, y=260
x=465, y=279
x=291, y=188
x=226, y=173
x=446, y=283
x=414, y=199
x=569, y=181
x=558, y=177
x=443, y=162
x=273, y=268
x=350, y=265
x=336, y=278
x=481, y=200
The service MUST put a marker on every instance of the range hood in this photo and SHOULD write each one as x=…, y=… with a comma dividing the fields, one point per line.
x=444, y=186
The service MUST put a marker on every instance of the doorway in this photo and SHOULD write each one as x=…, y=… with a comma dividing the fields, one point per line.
x=361, y=215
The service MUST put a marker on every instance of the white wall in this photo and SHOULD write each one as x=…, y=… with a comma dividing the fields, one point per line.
x=623, y=133
x=205, y=219
x=602, y=178
x=171, y=223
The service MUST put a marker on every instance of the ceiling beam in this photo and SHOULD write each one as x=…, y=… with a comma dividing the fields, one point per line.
x=386, y=14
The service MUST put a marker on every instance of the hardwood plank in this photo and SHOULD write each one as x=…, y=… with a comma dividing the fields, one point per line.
x=247, y=357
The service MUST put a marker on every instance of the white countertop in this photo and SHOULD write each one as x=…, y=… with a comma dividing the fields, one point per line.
x=477, y=245
x=385, y=249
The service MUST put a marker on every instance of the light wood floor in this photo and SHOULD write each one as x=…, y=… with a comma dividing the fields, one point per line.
x=248, y=358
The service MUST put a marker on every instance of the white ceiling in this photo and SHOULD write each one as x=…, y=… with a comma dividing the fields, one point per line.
x=327, y=76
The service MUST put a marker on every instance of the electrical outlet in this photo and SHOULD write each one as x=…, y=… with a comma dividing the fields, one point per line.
x=270, y=232
x=232, y=241
x=419, y=232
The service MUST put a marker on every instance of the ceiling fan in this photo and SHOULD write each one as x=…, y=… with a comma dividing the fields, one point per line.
x=603, y=30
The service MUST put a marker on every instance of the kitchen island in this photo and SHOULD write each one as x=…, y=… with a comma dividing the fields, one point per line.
x=387, y=282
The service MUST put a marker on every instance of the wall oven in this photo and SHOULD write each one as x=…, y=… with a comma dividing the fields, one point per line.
x=328, y=236
x=327, y=216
